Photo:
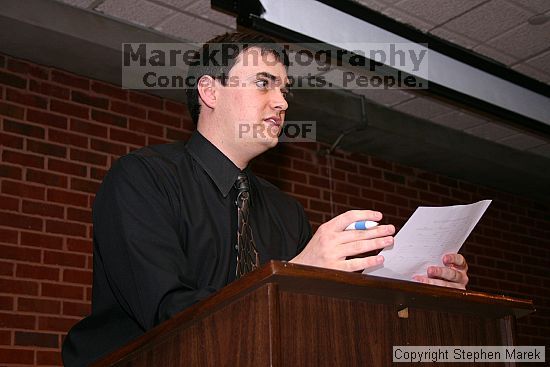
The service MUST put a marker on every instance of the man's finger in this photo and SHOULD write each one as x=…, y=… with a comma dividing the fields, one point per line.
x=365, y=234
x=438, y=282
x=361, y=263
x=340, y=222
x=445, y=273
x=456, y=260
x=360, y=247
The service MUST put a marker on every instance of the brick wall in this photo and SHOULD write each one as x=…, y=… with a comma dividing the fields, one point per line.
x=60, y=133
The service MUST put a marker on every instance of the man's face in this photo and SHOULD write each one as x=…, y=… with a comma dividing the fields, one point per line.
x=253, y=104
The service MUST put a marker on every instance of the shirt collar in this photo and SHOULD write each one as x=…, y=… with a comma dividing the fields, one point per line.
x=220, y=168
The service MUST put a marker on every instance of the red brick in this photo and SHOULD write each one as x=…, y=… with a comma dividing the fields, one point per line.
x=8, y=235
x=41, y=240
x=68, y=138
x=43, y=209
x=304, y=167
x=48, y=358
x=128, y=109
x=23, y=159
x=88, y=157
x=36, y=339
x=97, y=173
x=306, y=191
x=63, y=227
x=62, y=291
x=109, y=118
x=317, y=181
x=12, y=141
x=347, y=189
x=46, y=148
x=50, y=323
x=88, y=128
x=5, y=337
x=13, y=286
x=67, y=197
x=38, y=305
x=24, y=129
x=79, y=215
x=176, y=134
x=127, y=137
x=154, y=141
x=76, y=309
x=109, y=90
x=37, y=272
x=108, y=147
x=145, y=127
x=17, y=356
x=21, y=67
x=70, y=80
x=46, y=178
x=319, y=206
x=376, y=162
x=79, y=245
x=46, y=118
x=429, y=198
x=13, y=80
x=6, y=304
x=67, y=108
x=370, y=172
x=11, y=110
x=77, y=276
x=64, y=258
x=67, y=167
x=26, y=99
x=383, y=185
x=49, y=89
x=20, y=221
x=6, y=268
x=86, y=99
x=9, y=203
x=146, y=100
x=438, y=189
x=164, y=118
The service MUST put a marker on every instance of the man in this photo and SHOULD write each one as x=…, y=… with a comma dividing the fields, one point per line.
x=165, y=219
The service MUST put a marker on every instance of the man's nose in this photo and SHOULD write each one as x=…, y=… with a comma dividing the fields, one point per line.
x=278, y=100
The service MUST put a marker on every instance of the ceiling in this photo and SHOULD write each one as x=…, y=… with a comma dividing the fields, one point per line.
x=425, y=131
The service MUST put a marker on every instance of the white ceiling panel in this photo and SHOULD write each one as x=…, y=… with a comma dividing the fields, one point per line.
x=437, y=11
x=190, y=28
x=541, y=62
x=178, y=4
x=543, y=150
x=522, y=141
x=491, y=131
x=459, y=120
x=202, y=9
x=538, y=6
x=524, y=41
x=454, y=37
x=407, y=18
x=423, y=108
x=385, y=97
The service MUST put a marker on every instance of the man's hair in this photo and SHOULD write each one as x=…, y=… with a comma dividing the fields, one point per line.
x=217, y=57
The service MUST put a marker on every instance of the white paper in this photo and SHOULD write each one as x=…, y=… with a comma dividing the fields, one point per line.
x=430, y=233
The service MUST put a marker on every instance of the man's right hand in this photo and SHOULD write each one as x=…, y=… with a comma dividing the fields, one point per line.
x=331, y=244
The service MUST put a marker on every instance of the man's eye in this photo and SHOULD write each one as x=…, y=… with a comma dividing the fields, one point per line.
x=263, y=84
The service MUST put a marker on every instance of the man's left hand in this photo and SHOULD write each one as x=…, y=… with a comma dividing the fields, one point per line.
x=453, y=274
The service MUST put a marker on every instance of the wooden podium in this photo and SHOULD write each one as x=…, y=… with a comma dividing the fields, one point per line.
x=292, y=315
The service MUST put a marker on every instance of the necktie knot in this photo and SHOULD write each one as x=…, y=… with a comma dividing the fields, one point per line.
x=242, y=186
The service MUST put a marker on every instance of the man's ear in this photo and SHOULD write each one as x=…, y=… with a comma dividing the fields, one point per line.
x=207, y=90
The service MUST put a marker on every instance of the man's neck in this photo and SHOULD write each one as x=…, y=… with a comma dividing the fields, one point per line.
x=224, y=146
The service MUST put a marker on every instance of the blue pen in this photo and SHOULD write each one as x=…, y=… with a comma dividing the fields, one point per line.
x=362, y=224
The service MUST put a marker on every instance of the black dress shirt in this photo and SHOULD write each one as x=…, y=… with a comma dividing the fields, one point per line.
x=165, y=225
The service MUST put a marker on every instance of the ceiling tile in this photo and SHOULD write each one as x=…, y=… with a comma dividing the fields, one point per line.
x=454, y=37
x=541, y=62
x=79, y=3
x=495, y=54
x=403, y=17
x=459, y=120
x=538, y=6
x=532, y=72
x=202, y=8
x=543, y=150
x=135, y=11
x=385, y=97
x=436, y=11
x=522, y=141
x=423, y=108
x=524, y=41
x=488, y=20
x=190, y=28
x=372, y=4
x=179, y=4
x=491, y=131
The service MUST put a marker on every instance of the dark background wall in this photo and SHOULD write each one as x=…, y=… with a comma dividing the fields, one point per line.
x=61, y=132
